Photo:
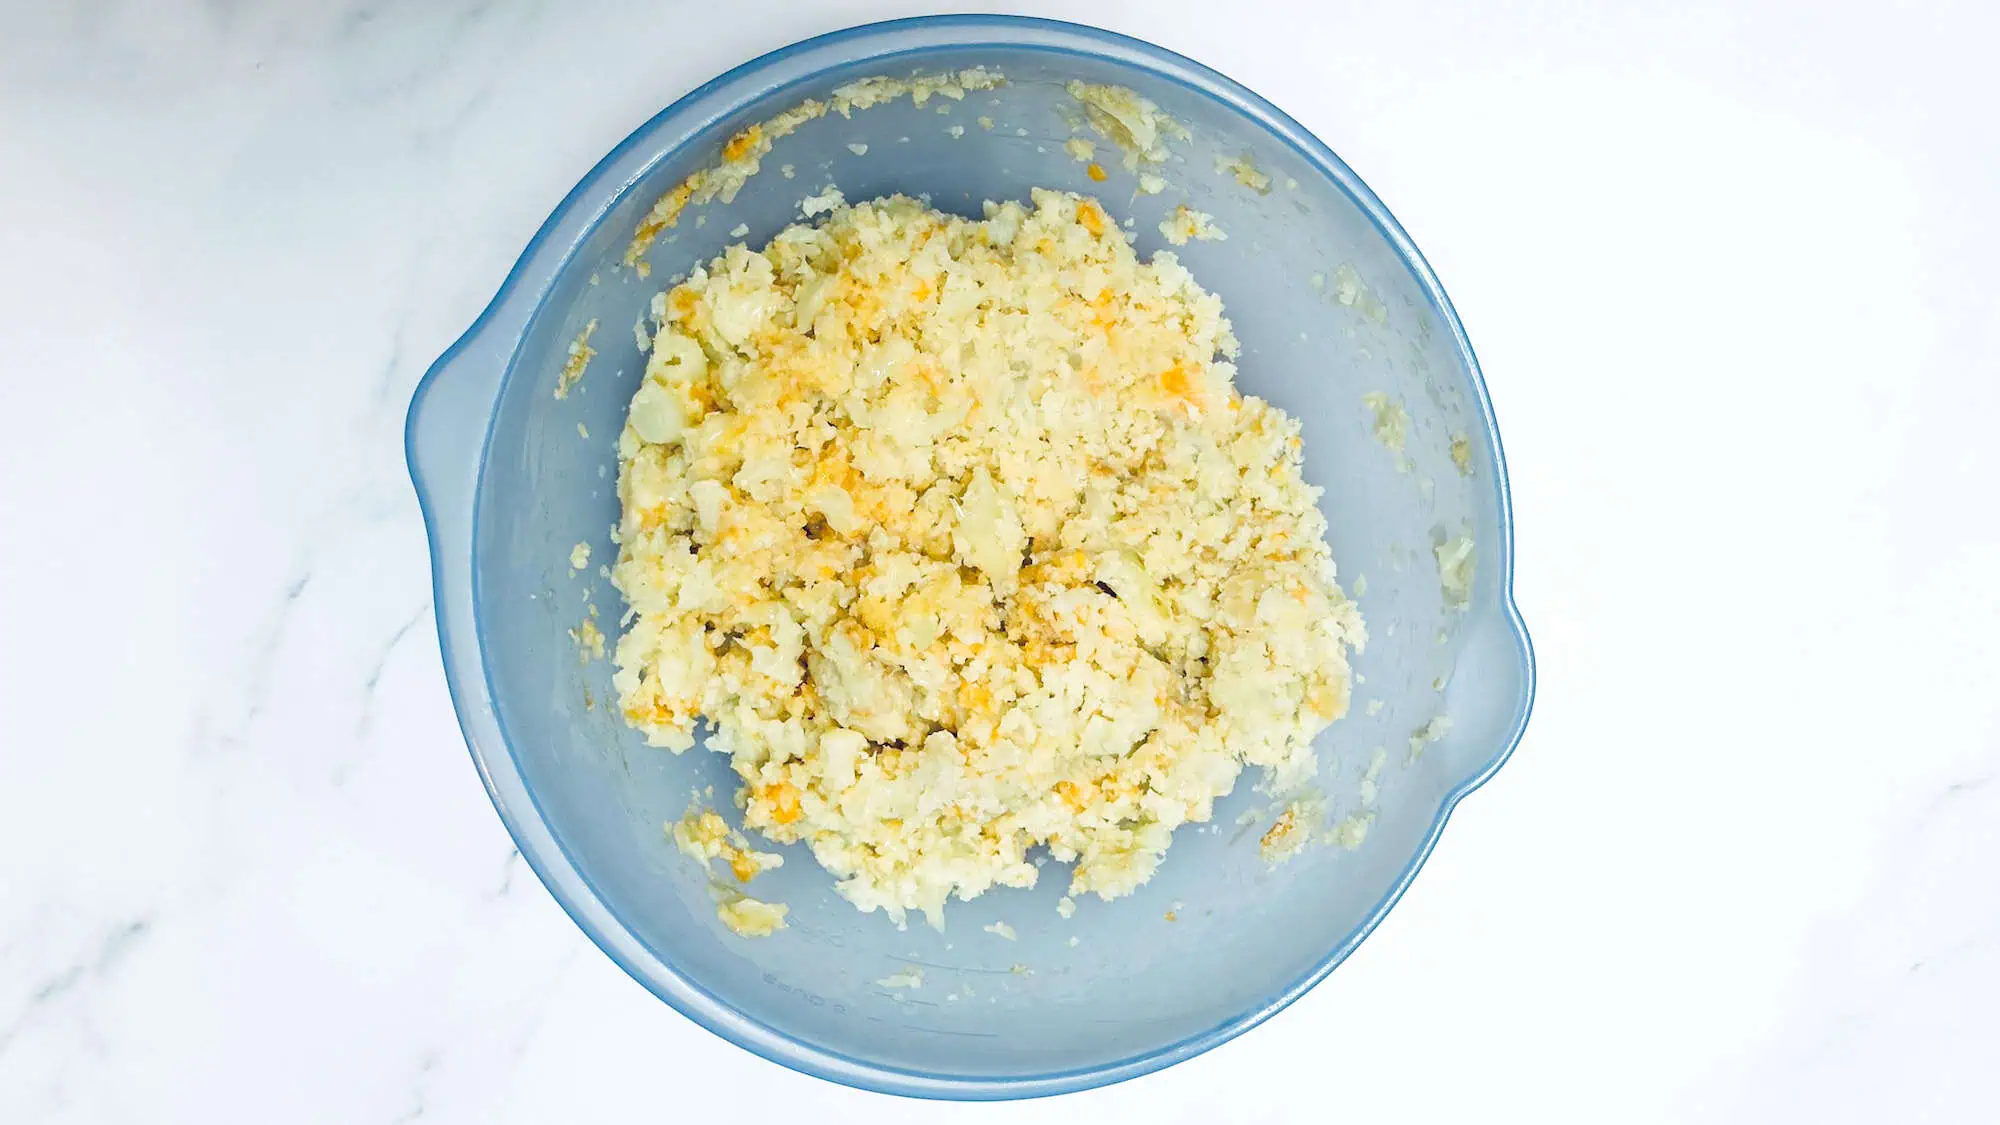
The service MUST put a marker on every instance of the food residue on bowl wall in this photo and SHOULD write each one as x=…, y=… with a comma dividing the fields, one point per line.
x=589, y=640
x=1129, y=121
x=742, y=155
x=1455, y=570
x=1461, y=454
x=1187, y=224
x=702, y=835
x=1244, y=170
x=575, y=360
x=1430, y=732
x=1391, y=425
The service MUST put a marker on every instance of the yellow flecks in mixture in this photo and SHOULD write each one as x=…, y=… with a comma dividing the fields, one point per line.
x=1092, y=217
x=1286, y=836
x=1187, y=224
x=1096, y=172
x=579, y=556
x=578, y=358
x=740, y=145
x=961, y=537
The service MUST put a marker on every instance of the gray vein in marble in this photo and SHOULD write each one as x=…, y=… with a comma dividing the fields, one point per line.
x=265, y=650
x=507, y=869
x=107, y=955
x=419, y=1088
x=374, y=680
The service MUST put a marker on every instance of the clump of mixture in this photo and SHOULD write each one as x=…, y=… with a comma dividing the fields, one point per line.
x=959, y=537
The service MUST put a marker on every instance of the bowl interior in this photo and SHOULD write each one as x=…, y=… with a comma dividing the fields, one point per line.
x=1327, y=310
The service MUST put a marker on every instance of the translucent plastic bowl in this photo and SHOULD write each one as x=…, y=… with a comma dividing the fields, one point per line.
x=1331, y=302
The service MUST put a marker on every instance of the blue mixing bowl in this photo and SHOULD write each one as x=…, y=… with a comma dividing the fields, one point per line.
x=1331, y=301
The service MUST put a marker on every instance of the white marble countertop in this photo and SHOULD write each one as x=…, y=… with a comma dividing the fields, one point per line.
x=1732, y=274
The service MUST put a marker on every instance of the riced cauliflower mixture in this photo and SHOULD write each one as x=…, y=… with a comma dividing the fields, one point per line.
x=959, y=537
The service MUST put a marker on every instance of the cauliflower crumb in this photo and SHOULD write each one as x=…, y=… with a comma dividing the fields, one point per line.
x=703, y=835
x=751, y=918
x=589, y=641
x=1349, y=290
x=1455, y=564
x=1002, y=929
x=1353, y=830
x=1130, y=122
x=956, y=131
x=737, y=231
x=1461, y=454
x=858, y=149
x=1391, y=426
x=1149, y=184
x=911, y=977
x=985, y=122
x=1371, y=779
x=583, y=431
x=580, y=353
x=579, y=557
x=1374, y=707
x=1066, y=906
x=946, y=593
x=787, y=171
x=1080, y=150
x=825, y=201
x=1291, y=831
x=1186, y=224
x=1430, y=732
x=1244, y=169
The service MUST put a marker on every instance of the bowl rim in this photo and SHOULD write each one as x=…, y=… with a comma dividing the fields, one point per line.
x=454, y=599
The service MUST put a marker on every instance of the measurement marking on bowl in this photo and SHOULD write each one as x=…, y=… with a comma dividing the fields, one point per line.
x=900, y=998
x=948, y=1031
x=948, y=968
